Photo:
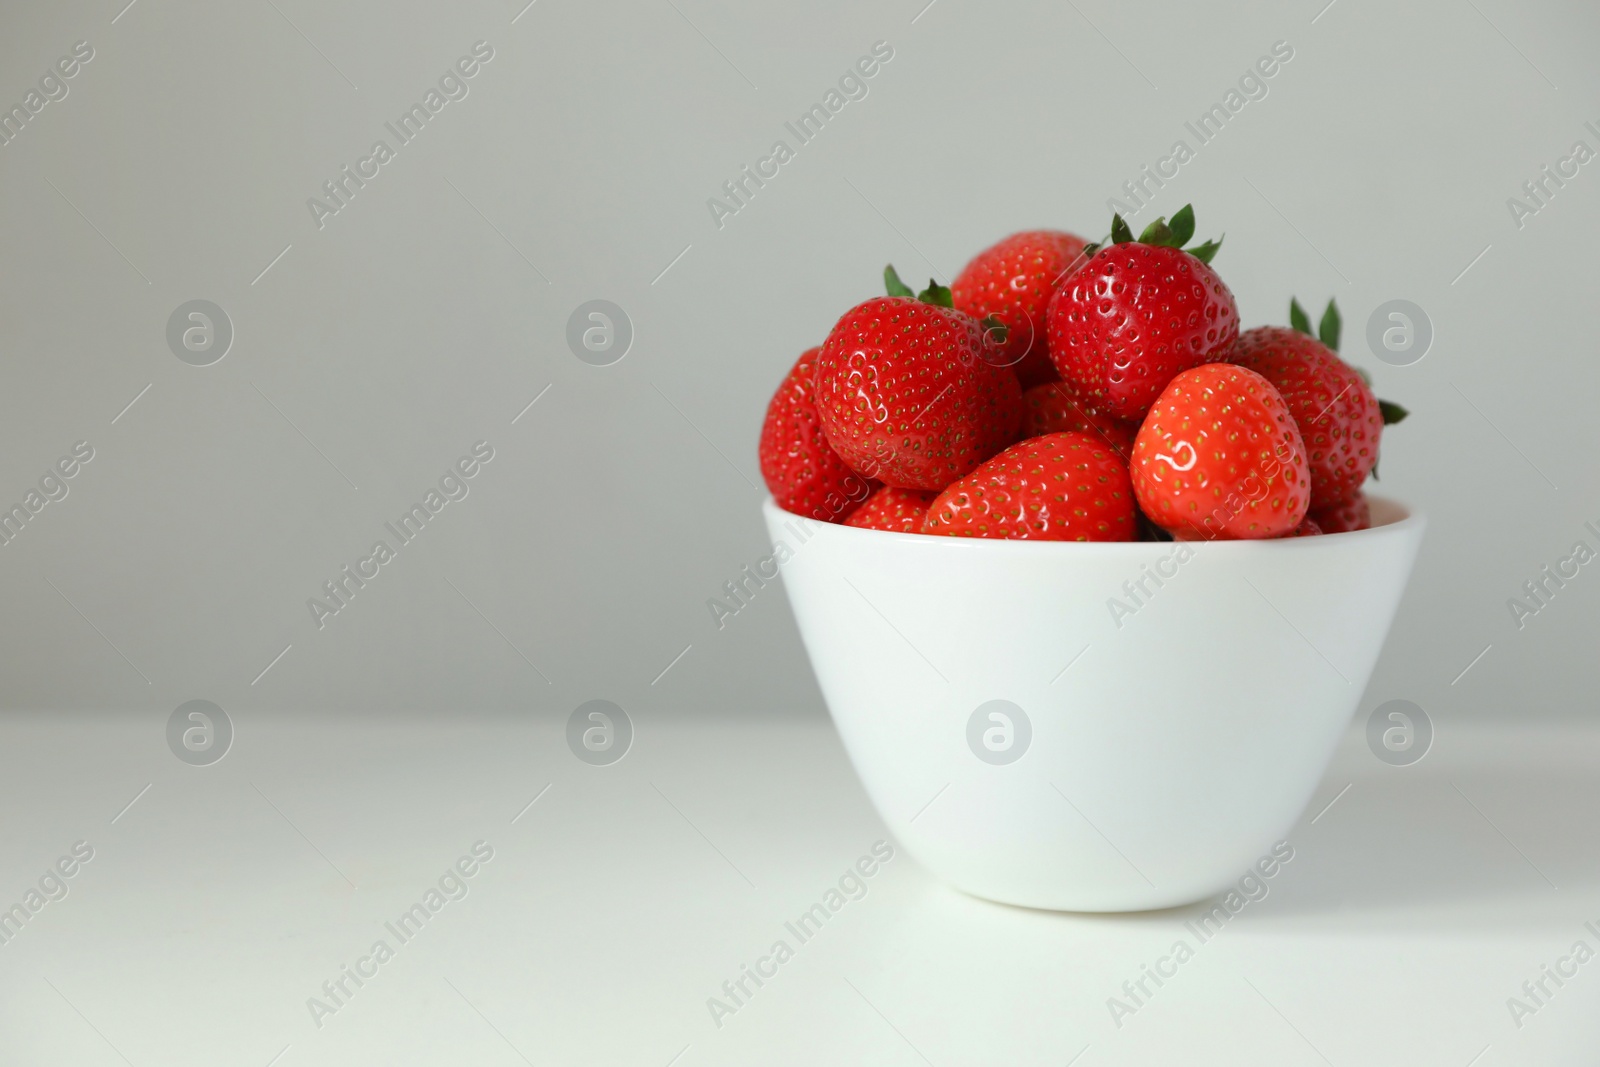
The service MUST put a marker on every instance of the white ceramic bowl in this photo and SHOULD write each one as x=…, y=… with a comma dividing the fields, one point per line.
x=1162, y=747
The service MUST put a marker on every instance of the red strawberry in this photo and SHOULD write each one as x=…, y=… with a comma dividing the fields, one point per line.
x=1353, y=514
x=1220, y=456
x=1013, y=281
x=904, y=392
x=1138, y=313
x=901, y=510
x=1340, y=419
x=1059, y=487
x=1053, y=408
x=805, y=475
x=1307, y=528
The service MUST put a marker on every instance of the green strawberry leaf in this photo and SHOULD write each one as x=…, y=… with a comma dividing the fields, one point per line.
x=934, y=294
x=892, y=282
x=1182, y=225
x=1120, y=233
x=1090, y=249
x=1328, y=328
x=994, y=328
x=1298, y=317
x=937, y=294
x=1159, y=233
x=1206, y=252
x=1392, y=412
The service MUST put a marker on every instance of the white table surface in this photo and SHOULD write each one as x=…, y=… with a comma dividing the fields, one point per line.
x=614, y=907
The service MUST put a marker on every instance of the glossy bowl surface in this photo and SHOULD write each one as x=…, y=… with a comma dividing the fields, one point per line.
x=1092, y=727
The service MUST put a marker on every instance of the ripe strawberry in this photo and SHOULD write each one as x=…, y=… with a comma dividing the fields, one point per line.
x=1138, y=313
x=804, y=474
x=900, y=510
x=1013, y=281
x=1355, y=514
x=1052, y=408
x=1336, y=412
x=1220, y=456
x=1307, y=528
x=1340, y=419
x=1059, y=487
x=904, y=392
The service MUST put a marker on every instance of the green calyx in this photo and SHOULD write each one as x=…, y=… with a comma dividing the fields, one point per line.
x=1327, y=329
x=1328, y=334
x=1298, y=318
x=1167, y=234
x=994, y=328
x=935, y=293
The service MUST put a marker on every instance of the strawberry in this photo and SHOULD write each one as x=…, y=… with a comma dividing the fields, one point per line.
x=1052, y=408
x=900, y=510
x=1138, y=313
x=1059, y=487
x=1340, y=420
x=1307, y=528
x=804, y=474
x=904, y=392
x=1220, y=456
x=1354, y=514
x=1013, y=281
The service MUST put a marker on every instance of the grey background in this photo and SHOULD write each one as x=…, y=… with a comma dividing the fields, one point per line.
x=428, y=313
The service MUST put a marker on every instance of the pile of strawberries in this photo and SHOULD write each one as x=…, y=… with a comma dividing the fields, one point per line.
x=1076, y=392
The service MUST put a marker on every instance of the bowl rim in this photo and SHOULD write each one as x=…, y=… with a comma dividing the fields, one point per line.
x=1405, y=519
